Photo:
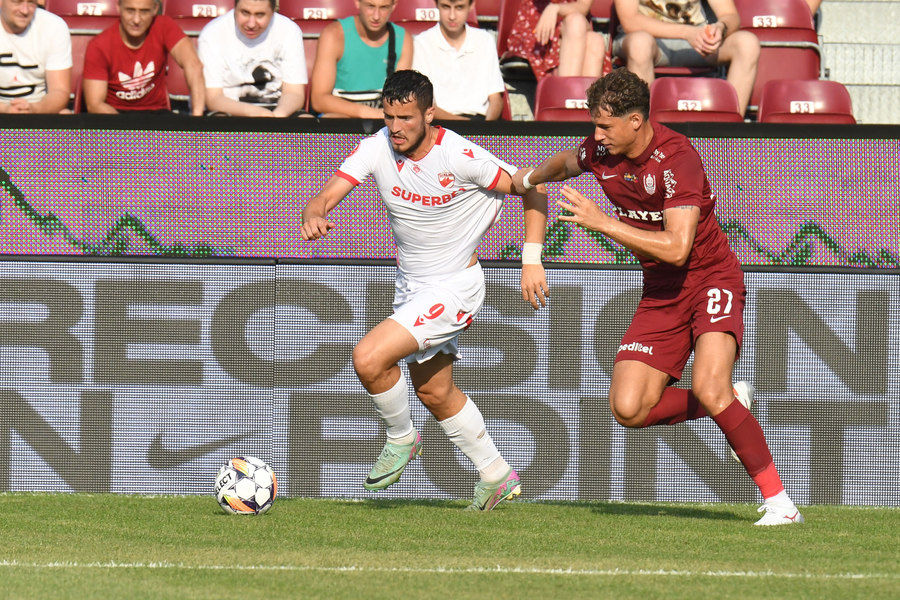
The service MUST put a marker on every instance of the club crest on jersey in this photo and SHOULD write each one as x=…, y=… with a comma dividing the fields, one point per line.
x=650, y=183
x=446, y=179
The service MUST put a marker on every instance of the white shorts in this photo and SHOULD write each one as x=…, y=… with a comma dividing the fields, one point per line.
x=436, y=312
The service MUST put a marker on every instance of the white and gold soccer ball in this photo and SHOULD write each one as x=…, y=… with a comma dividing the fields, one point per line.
x=246, y=485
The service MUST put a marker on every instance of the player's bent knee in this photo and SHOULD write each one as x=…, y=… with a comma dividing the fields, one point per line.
x=367, y=362
x=627, y=413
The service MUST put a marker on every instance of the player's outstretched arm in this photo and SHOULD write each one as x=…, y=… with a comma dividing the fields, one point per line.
x=534, y=286
x=315, y=221
x=559, y=167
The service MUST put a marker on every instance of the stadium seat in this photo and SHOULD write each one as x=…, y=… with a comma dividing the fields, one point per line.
x=418, y=15
x=313, y=15
x=79, y=48
x=489, y=13
x=513, y=67
x=176, y=85
x=85, y=18
x=688, y=99
x=789, y=45
x=562, y=99
x=601, y=13
x=805, y=101
x=192, y=15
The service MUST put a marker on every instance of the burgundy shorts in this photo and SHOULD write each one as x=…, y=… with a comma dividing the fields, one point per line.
x=666, y=326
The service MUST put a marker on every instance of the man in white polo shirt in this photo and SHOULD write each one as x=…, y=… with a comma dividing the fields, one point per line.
x=462, y=64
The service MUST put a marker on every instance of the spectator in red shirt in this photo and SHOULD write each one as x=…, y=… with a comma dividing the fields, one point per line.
x=125, y=65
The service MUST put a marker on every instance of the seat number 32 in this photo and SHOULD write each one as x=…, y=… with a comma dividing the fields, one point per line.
x=719, y=304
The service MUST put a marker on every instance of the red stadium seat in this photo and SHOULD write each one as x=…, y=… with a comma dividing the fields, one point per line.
x=415, y=16
x=789, y=44
x=85, y=18
x=513, y=67
x=562, y=99
x=688, y=99
x=313, y=15
x=489, y=12
x=192, y=15
x=176, y=85
x=805, y=101
x=601, y=14
x=79, y=48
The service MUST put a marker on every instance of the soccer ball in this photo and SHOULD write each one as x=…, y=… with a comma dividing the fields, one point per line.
x=246, y=485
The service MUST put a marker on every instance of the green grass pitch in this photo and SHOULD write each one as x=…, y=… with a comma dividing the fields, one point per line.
x=121, y=546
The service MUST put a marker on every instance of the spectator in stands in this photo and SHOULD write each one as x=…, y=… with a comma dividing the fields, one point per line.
x=462, y=63
x=125, y=65
x=253, y=62
x=556, y=37
x=36, y=65
x=353, y=57
x=678, y=33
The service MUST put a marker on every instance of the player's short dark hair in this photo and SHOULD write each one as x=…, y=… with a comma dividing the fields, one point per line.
x=620, y=93
x=272, y=3
x=406, y=85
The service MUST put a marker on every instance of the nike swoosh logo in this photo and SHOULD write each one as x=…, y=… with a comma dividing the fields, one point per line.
x=719, y=318
x=605, y=176
x=159, y=457
x=371, y=480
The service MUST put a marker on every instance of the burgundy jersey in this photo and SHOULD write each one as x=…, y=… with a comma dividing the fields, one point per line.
x=669, y=173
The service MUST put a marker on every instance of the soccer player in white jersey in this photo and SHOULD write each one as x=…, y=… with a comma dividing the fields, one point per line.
x=442, y=194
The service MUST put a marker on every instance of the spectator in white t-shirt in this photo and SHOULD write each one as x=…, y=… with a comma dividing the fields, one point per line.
x=462, y=63
x=253, y=62
x=36, y=65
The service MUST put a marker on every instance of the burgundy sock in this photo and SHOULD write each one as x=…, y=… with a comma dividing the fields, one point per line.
x=746, y=437
x=675, y=406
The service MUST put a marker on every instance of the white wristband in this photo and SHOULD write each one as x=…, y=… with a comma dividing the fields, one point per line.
x=528, y=185
x=531, y=253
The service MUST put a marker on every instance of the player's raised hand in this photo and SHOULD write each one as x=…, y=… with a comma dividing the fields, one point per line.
x=535, y=290
x=584, y=212
x=315, y=228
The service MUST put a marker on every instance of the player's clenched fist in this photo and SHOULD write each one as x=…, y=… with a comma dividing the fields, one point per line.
x=315, y=228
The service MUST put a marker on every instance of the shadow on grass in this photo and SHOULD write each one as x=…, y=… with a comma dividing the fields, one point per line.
x=615, y=509
x=650, y=509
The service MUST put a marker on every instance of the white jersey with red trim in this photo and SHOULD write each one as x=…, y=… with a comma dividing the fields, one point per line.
x=440, y=206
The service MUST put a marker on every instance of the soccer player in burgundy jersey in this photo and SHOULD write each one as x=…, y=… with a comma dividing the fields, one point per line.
x=442, y=193
x=693, y=297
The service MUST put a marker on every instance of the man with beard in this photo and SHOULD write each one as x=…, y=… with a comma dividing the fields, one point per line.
x=442, y=194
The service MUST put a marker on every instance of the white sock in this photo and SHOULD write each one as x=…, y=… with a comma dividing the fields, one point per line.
x=393, y=408
x=467, y=431
x=781, y=499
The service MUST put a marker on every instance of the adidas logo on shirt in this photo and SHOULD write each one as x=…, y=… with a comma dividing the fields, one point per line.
x=136, y=84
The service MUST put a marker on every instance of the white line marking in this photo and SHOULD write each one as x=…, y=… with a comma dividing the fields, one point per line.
x=449, y=570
